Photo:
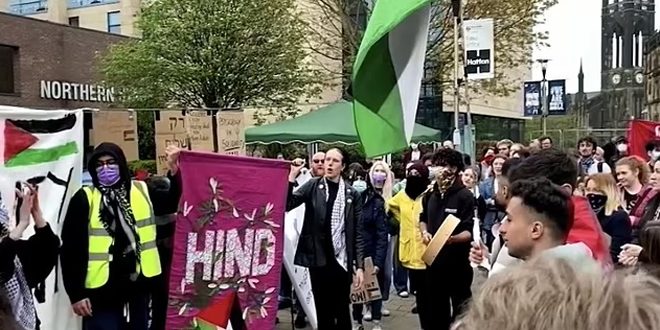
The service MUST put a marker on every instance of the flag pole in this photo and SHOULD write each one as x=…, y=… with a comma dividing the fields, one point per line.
x=456, y=5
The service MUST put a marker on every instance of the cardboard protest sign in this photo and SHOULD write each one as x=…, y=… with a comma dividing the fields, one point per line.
x=370, y=291
x=439, y=239
x=44, y=148
x=228, y=242
x=119, y=127
x=231, y=132
x=300, y=279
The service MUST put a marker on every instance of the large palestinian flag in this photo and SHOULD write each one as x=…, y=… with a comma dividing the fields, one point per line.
x=35, y=141
x=45, y=148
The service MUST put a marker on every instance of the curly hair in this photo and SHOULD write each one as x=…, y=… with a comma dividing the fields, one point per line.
x=553, y=294
x=449, y=157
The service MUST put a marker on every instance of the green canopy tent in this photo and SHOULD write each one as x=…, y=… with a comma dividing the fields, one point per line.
x=330, y=124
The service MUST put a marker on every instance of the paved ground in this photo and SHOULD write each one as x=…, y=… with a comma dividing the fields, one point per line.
x=401, y=318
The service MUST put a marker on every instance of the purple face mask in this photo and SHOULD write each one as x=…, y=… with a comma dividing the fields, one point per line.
x=378, y=179
x=108, y=175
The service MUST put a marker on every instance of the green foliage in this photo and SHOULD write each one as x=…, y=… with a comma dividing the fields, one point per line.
x=146, y=141
x=216, y=54
x=149, y=165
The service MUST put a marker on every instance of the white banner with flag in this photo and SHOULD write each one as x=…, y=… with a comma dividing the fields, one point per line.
x=479, y=49
x=302, y=284
x=45, y=148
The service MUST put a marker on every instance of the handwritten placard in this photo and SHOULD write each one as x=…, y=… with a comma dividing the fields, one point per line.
x=231, y=132
x=199, y=130
x=116, y=126
x=169, y=128
x=370, y=291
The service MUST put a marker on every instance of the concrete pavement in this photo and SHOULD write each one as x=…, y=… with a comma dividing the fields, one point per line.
x=401, y=318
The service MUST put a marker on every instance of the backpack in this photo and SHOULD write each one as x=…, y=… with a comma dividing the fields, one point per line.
x=600, y=167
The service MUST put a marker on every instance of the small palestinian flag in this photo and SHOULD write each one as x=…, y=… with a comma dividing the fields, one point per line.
x=36, y=141
x=216, y=316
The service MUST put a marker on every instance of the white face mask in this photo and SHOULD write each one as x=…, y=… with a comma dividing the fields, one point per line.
x=655, y=154
x=622, y=147
x=360, y=185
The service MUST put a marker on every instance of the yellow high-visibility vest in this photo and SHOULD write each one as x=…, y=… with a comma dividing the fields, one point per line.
x=98, y=264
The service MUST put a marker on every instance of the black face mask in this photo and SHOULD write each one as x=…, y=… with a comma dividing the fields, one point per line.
x=597, y=202
x=415, y=186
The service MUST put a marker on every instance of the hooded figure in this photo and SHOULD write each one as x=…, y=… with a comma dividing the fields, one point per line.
x=109, y=252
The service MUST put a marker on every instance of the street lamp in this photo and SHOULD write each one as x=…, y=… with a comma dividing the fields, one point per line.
x=544, y=93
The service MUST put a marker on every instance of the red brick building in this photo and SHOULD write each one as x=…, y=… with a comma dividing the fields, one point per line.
x=45, y=65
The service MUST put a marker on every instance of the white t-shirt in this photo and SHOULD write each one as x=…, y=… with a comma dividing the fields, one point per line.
x=593, y=169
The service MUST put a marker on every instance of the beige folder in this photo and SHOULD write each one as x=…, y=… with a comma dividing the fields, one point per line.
x=440, y=238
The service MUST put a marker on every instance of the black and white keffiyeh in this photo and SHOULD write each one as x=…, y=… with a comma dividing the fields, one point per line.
x=116, y=214
x=17, y=289
x=337, y=224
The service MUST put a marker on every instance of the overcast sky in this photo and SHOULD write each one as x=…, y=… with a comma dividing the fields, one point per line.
x=574, y=27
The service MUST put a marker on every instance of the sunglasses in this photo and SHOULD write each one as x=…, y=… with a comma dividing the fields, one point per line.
x=318, y=161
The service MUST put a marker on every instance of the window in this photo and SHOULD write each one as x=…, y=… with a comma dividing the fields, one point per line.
x=74, y=21
x=87, y=3
x=114, y=22
x=7, y=67
x=27, y=7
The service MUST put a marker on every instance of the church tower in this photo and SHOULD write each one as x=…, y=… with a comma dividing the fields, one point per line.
x=626, y=24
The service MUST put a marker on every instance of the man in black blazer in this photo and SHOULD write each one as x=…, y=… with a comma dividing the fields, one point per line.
x=330, y=243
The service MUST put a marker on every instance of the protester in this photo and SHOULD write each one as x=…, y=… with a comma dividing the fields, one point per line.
x=160, y=189
x=448, y=145
x=603, y=197
x=24, y=264
x=546, y=142
x=588, y=164
x=373, y=226
x=649, y=248
x=538, y=221
x=485, y=165
x=317, y=164
x=560, y=170
x=599, y=155
x=439, y=303
x=535, y=145
x=489, y=188
x=109, y=252
x=405, y=208
x=330, y=242
x=551, y=294
x=469, y=177
x=632, y=174
x=413, y=154
x=504, y=147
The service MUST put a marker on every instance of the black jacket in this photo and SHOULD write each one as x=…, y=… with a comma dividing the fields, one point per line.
x=313, y=237
x=374, y=227
x=618, y=227
x=459, y=202
x=75, y=236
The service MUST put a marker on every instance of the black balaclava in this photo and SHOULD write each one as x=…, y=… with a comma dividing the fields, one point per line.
x=417, y=184
x=111, y=149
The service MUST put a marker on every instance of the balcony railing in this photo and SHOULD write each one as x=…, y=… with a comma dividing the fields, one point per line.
x=29, y=7
x=87, y=3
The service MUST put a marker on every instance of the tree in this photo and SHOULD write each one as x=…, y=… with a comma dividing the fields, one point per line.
x=515, y=36
x=214, y=54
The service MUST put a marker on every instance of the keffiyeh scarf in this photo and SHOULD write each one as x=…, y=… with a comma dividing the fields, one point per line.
x=117, y=215
x=17, y=289
x=337, y=225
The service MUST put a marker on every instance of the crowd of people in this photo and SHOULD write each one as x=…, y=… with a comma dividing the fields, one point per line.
x=596, y=210
x=555, y=231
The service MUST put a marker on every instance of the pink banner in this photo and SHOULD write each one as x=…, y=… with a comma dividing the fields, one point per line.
x=228, y=242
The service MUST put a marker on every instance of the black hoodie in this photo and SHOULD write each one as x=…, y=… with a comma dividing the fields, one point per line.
x=75, y=235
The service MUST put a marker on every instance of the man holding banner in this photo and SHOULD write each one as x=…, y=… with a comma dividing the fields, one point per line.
x=109, y=253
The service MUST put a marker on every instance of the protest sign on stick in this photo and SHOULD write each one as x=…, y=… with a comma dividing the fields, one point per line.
x=370, y=291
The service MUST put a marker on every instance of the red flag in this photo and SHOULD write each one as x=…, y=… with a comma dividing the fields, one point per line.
x=641, y=132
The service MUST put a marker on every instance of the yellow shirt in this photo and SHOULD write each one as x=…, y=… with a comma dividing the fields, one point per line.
x=406, y=211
